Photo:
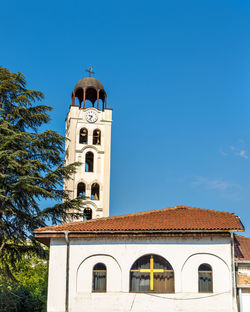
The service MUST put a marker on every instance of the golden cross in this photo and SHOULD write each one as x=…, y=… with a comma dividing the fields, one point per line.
x=151, y=271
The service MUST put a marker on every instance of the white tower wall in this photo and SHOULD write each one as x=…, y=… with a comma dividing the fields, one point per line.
x=75, y=152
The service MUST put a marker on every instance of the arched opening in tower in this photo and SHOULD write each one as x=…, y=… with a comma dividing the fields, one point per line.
x=91, y=97
x=79, y=96
x=100, y=101
x=97, y=137
x=87, y=214
x=81, y=189
x=89, y=162
x=95, y=191
x=83, y=138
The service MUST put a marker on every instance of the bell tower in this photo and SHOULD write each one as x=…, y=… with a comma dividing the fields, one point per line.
x=88, y=133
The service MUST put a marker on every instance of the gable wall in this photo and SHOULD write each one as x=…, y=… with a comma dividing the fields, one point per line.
x=185, y=256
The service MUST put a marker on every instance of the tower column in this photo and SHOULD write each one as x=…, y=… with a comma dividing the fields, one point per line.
x=84, y=97
x=73, y=99
x=105, y=100
x=98, y=94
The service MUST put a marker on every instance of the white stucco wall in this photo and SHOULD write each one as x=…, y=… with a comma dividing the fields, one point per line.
x=245, y=300
x=185, y=256
x=57, y=276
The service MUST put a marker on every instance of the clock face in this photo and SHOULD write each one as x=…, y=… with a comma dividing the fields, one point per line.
x=91, y=116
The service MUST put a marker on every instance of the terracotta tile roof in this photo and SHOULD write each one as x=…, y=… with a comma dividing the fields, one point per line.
x=167, y=219
x=242, y=248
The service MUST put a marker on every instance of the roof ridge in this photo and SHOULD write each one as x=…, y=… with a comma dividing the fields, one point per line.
x=145, y=212
x=166, y=219
x=140, y=213
x=191, y=207
x=159, y=210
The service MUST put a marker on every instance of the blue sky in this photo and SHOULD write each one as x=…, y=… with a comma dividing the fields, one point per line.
x=177, y=76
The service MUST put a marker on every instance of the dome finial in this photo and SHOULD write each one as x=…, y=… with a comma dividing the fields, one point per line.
x=89, y=70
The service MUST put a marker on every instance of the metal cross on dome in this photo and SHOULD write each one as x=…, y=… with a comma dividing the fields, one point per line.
x=89, y=70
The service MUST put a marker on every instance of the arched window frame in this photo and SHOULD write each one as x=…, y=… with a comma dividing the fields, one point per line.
x=89, y=166
x=205, y=273
x=83, y=186
x=87, y=213
x=85, y=140
x=95, y=195
x=151, y=276
x=102, y=273
x=97, y=138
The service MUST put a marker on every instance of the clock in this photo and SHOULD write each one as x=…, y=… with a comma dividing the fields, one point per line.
x=91, y=116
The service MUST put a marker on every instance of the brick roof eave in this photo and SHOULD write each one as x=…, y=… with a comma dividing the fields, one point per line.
x=45, y=237
x=139, y=231
x=166, y=220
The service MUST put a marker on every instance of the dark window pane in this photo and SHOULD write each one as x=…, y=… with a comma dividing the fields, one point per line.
x=205, y=282
x=99, y=281
x=139, y=281
x=99, y=277
x=161, y=263
x=100, y=266
x=205, y=267
x=142, y=263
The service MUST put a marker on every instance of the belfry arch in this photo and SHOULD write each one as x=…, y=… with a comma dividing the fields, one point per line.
x=92, y=90
x=95, y=191
x=97, y=137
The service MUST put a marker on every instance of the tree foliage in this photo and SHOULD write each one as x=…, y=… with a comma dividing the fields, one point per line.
x=28, y=292
x=31, y=169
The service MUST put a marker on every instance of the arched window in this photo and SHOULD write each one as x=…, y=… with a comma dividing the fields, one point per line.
x=95, y=190
x=96, y=137
x=152, y=273
x=205, y=278
x=87, y=214
x=81, y=189
x=83, y=138
x=99, y=278
x=89, y=162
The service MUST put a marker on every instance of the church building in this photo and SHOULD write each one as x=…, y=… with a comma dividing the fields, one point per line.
x=178, y=259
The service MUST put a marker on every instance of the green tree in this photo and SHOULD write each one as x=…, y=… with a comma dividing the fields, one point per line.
x=28, y=292
x=31, y=169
